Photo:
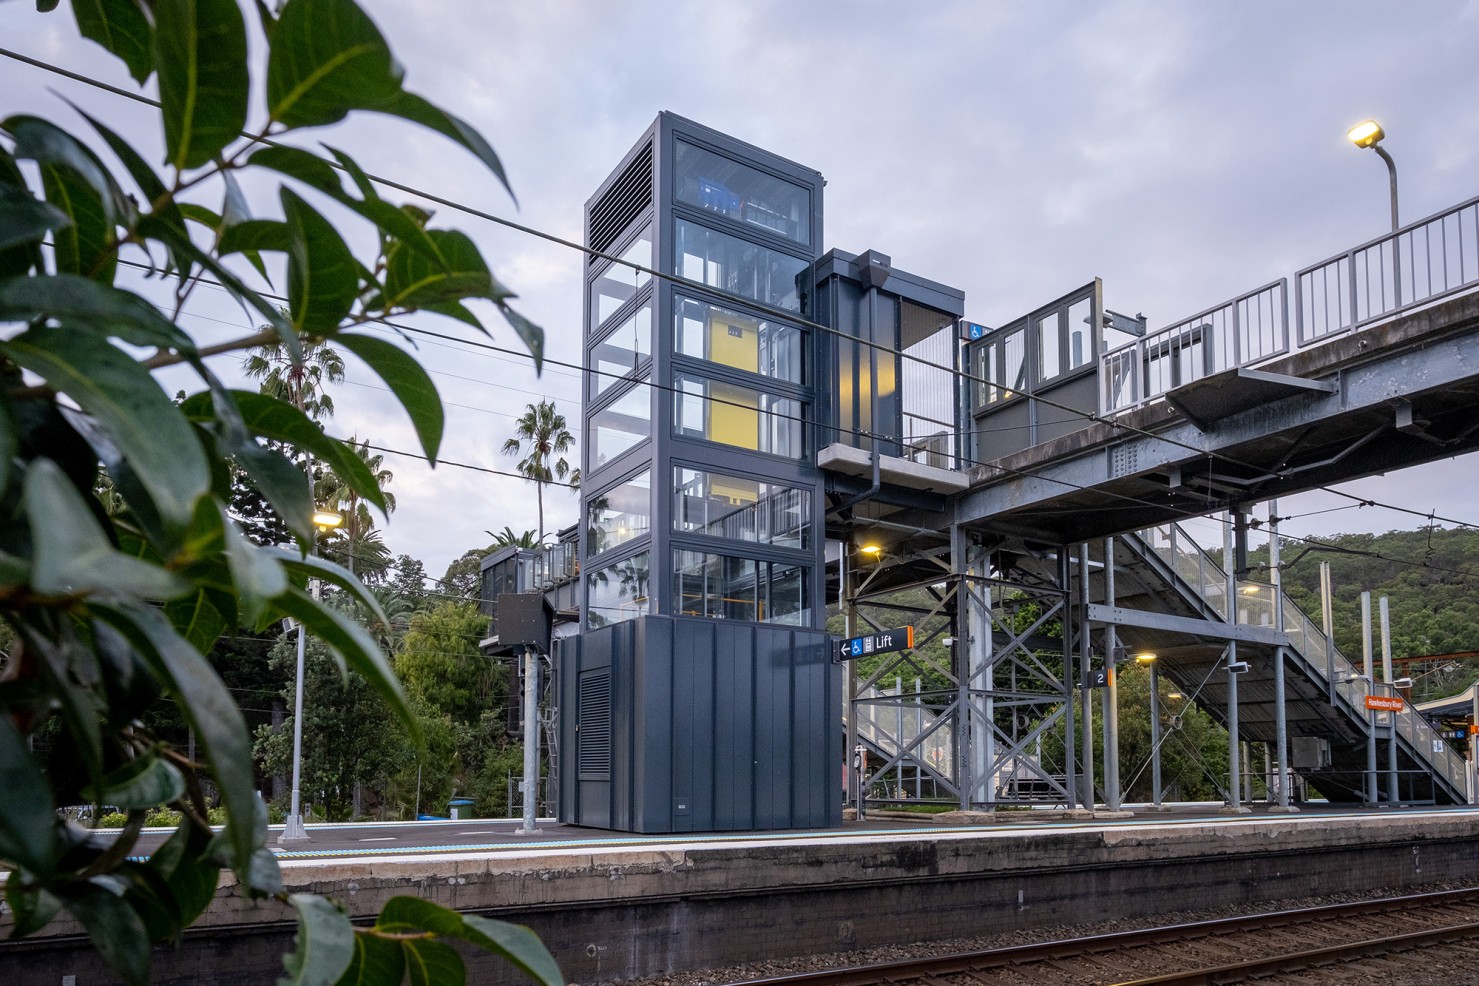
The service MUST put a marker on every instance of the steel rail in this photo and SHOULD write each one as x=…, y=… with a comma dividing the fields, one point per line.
x=906, y=970
x=1236, y=972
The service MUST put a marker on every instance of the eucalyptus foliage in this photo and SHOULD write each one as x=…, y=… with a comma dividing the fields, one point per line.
x=120, y=565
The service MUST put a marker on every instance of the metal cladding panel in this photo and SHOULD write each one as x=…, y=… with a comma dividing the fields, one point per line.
x=714, y=727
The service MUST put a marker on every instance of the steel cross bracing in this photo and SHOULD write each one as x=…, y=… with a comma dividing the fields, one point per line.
x=994, y=654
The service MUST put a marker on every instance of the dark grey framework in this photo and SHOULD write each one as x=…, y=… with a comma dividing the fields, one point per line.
x=660, y=664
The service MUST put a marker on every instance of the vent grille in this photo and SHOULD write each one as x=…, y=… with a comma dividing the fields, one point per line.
x=627, y=198
x=594, y=745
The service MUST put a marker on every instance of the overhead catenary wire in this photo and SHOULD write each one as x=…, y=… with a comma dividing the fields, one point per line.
x=777, y=312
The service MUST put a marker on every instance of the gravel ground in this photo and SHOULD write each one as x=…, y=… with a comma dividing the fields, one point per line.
x=945, y=946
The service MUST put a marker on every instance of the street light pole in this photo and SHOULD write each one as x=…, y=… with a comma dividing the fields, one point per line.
x=1370, y=134
x=292, y=829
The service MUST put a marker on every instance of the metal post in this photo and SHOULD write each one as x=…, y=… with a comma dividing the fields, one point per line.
x=1328, y=615
x=961, y=651
x=1474, y=748
x=1070, y=773
x=1234, y=761
x=1085, y=692
x=1392, y=174
x=531, y=740
x=1368, y=668
x=1112, y=796
x=1393, y=795
x=292, y=827
x=850, y=675
x=1155, y=738
x=1281, y=712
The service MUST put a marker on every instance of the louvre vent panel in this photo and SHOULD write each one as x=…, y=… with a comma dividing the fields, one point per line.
x=627, y=198
x=595, y=725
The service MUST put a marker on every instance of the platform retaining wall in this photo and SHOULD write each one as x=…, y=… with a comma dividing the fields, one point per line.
x=624, y=913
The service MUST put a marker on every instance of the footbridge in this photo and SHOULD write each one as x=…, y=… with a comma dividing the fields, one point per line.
x=1047, y=545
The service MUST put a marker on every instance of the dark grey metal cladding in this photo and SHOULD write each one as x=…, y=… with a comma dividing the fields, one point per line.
x=712, y=726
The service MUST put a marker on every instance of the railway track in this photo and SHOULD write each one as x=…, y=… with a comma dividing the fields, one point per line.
x=1315, y=942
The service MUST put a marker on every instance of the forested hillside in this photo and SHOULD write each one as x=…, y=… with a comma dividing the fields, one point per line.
x=1429, y=576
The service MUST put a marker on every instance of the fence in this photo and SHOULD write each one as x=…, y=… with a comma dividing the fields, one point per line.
x=1419, y=264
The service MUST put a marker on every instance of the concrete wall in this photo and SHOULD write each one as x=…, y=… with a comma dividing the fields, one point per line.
x=611, y=914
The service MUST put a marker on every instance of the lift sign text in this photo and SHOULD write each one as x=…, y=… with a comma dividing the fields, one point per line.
x=900, y=638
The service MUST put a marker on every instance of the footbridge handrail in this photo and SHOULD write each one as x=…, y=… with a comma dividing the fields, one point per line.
x=1197, y=570
x=1419, y=264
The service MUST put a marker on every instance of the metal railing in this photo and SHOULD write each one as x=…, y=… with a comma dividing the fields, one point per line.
x=1244, y=330
x=1420, y=263
x=891, y=721
x=1255, y=607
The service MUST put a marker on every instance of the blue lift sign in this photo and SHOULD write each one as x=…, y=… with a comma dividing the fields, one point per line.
x=900, y=638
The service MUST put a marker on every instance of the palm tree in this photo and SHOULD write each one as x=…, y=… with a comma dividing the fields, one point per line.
x=338, y=495
x=299, y=382
x=507, y=538
x=542, y=438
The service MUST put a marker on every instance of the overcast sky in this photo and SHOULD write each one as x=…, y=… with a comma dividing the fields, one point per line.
x=1184, y=152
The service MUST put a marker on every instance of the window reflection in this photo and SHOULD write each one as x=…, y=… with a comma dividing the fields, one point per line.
x=742, y=193
x=717, y=411
x=622, y=350
x=618, y=283
x=727, y=587
x=620, y=514
x=737, y=266
x=627, y=421
x=740, y=509
x=744, y=342
x=618, y=592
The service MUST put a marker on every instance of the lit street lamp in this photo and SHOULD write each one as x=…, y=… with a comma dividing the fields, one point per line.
x=292, y=829
x=1370, y=134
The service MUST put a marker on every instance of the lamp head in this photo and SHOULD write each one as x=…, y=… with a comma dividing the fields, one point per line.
x=873, y=550
x=1368, y=133
x=1145, y=657
x=327, y=519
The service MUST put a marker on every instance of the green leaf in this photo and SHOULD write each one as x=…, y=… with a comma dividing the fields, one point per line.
x=24, y=219
x=27, y=825
x=325, y=943
x=32, y=907
x=377, y=961
x=258, y=576
x=409, y=106
x=257, y=234
x=191, y=877
x=532, y=334
x=318, y=174
x=458, y=311
x=349, y=640
x=86, y=243
x=280, y=480
x=72, y=553
x=81, y=302
x=406, y=379
x=433, y=963
x=47, y=144
x=182, y=246
x=127, y=404
x=203, y=80
x=327, y=58
x=515, y=943
x=414, y=281
x=198, y=213
x=143, y=782
x=203, y=617
x=268, y=417
x=305, y=166
x=322, y=278
x=113, y=926
x=319, y=567
x=208, y=707
x=47, y=6
x=121, y=27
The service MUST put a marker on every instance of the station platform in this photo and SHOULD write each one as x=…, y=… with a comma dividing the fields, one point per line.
x=612, y=906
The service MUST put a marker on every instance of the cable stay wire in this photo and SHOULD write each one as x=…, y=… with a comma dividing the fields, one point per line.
x=782, y=314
